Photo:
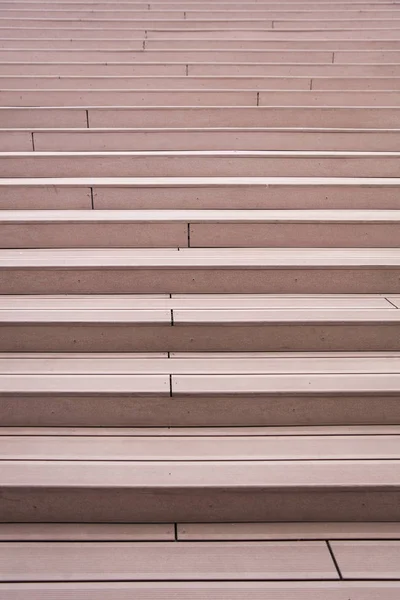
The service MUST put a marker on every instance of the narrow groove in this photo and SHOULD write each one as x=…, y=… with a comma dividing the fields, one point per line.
x=187, y=70
x=87, y=119
x=184, y=15
x=33, y=141
x=144, y=45
x=188, y=234
x=176, y=531
x=91, y=197
x=272, y=24
x=258, y=99
x=170, y=386
x=145, y=34
x=333, y=557
x=333, y=57
x=311, y=84
x=172, y=317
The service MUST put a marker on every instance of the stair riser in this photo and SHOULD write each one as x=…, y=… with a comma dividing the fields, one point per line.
x=197, y=504
x=178, y=98
x=129, y=82
x=240, y=197
x=199, y=140
x=199, y=338
x=203, y=98
x=124, y=42
x=197, y=411
x=295, y=235
x=198, y=235
x=349, y=117
x=197, y=166
x=165, y=56
x=200, y=281
x=195, y=69
x=198, y=12
x=201, y=197
x=92, y=235
x=207, y=43
x=169, y=25
x=260, y=33
x=171, y=83
x=46, y=197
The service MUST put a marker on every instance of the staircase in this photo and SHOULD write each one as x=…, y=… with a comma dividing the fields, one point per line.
x=200, y=294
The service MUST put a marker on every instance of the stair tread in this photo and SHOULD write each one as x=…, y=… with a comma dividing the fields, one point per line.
x=327, y=430
x=205, y=448
x=195, y=216
x=166, y=561
x=198, y=590
x=254, y=531
x=199, y=301
x=199, y=181
x=182, y=316
x=199, y=257
x=282, y=475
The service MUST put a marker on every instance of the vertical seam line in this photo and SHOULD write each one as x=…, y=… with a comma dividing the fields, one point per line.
x=333, y=557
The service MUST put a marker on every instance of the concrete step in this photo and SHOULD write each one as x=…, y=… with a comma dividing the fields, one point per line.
x=203, y=82
x=92, y=140
x=200, y=164
x=160, y=491
x=335, y=392
x=201, y=55
x=75, y=446
x=218, y=116
x=203, y=324
x=181, y=559
x=199, y=228
x=224, y=531
x=200, y=97
x=320, y=590
x=251, y=43
x=163, y=82
x=200, y=193
x=385, y=11
x=207, y=21
x=126, y=42
x=137, y=31
x=197, y=68
x=83, y=55
x=196, y=270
